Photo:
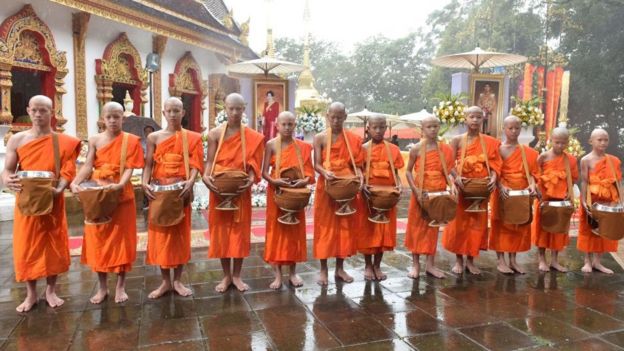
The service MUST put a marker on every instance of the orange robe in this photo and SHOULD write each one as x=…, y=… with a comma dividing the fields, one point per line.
x=335, y=236
x=602, y=186
x=111, y=247
x=553, y=185
x=506, y=237
x=375, y=238
x=170, y=246
x=230, y=231
x=40, y=243
x=467, y=233
x=285, y=243
x=420, y=238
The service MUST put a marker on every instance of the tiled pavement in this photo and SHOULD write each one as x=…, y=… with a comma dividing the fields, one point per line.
x=530, y=312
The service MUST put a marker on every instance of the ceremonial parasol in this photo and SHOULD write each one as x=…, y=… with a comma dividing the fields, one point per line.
x=136, y=125
x=416, y=117
x=363, y=116
x=477, y=59
x=265, y=65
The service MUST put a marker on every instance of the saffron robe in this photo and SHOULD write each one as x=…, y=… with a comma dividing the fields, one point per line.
x=375, y=238
x=230, y=231
x=335, y=236
x=286, y=243
x=170, y=247
x=467, y=233
x=506, y=237
x=602, y=186
x=111, y=247
x=420, y=238
x=553, y=185
x=40, y=243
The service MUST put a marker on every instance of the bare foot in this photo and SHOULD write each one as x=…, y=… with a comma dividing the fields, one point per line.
x=559, y=268
x=99, y=297
x=53, y=300
x=600, y=268
x=239, y=284
x=322, y=279
x=295, y=280
x=182, y=290
x=342, y=275
x=543, y=267
x=164, y=288
x=379, y=274
x=472, y=268
x=587, y=268
x=503, y=268
x=436, y=273
x=224, y=285
x=120, y=295
x=276, y=284
x=458, y=268
x=415, y=272
x=516, y=268
x=27, y=305
x=369, y=273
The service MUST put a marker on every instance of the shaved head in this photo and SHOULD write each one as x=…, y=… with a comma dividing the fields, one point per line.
x=173, y=101
x=511, y=119
x=235, y=98
x=40, y=99
x=285, y=115
x=430, y=119
x=597, y=132
x=377, y=118
x=560, y=132
x=337, y=106
x=473, y=109
x=112, y=106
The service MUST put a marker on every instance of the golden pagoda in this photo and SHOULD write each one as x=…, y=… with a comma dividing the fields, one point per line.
x=306, y=94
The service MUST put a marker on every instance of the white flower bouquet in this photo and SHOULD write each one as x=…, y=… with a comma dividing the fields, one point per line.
x=528, y=112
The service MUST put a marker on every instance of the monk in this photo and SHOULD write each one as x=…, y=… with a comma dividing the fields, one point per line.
x=553, y=186
x=170, y=247
x=597, y=176
x=375, y=238
x=420, y=238
x=335, y=236
x=40, y=243
x=111, y=247
x=505, y=237
x=285, y=243
x=230, y=231
x=467, y=233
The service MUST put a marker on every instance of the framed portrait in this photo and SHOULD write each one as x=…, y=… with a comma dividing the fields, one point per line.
x=270, y=98
x=487, y=92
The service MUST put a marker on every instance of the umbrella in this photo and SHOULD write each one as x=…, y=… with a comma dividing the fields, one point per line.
x=416, y=117
x=395, y=123
x=136, y=125
x=478, y=58
x=363, y=116
x=265, y=65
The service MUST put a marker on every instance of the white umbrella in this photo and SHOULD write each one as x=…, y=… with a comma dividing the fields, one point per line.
x=416, y=117
x=478, y=58
x=363, y=116
x=265, y=65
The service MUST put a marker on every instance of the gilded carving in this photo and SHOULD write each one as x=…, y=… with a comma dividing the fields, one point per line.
x=158, y=46
x=27, y=49
x=80, y=23
x=186, y=77
x=244, y=34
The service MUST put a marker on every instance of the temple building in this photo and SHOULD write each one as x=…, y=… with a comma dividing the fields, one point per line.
x=84, y=53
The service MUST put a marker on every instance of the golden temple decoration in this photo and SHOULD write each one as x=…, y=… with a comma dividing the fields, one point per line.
x=159, y=43
x=228, y=20
x=23, y=39
x=187, y=78
x=80, y=22
x=244, y=35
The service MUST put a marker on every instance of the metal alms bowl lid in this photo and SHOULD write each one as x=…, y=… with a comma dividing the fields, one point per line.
x=35, y=174
x=523, y=192
x=557, y=203
x=168, y=187
x=608, y=207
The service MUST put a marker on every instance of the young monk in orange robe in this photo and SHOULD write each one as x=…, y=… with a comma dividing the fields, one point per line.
x=420, y=238
x=505, y=237
x=553, y=186
x=375, y=238
x=600, y=177
x=285, y=243
x=111, y=247
x=230, y=231
x=467, y=233
x=170, y=247
x=40, y=244
x=335, y=236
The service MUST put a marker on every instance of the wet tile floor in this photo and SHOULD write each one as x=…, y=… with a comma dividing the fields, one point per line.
x=488, y=312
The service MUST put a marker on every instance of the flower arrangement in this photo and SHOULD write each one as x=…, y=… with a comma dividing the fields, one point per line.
x=450, y=110
x=528, y=112
x=222, y=118
x=309, y=120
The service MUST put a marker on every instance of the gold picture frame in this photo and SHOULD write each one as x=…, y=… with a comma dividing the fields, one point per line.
x=261, y=88
x=484, y=98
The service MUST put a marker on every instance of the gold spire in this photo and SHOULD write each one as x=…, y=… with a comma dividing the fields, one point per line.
x=306, y=93
x=270, y=48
